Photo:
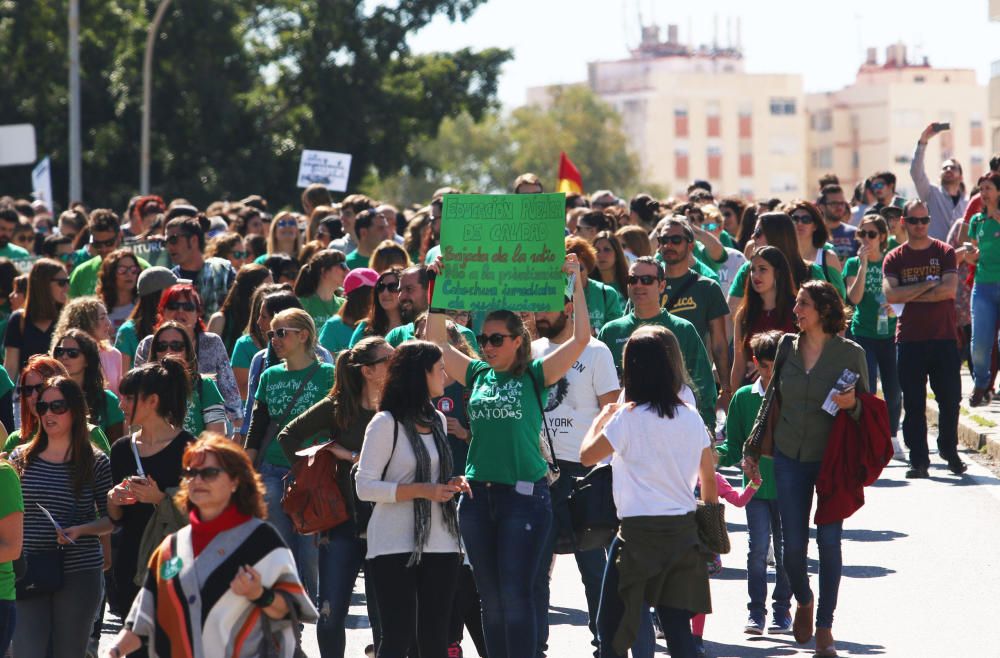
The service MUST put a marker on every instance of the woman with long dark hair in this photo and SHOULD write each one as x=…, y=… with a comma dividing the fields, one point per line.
x=141, y=322
x=231, y=319
x=343, y=415
x=384, y=315
x=335, y=335
x=414, y=551
x=64, y=474
x=254, y=337
x=117, y=285
x=612, y=265
x=29, y=331
x=205, y=408
x=766, y=304
x=507, y=515
x=318, y=282
x=78, y=352
x=813, y=237
x=146, y=464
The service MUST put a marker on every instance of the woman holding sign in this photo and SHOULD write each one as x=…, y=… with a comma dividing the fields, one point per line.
x=508, y=513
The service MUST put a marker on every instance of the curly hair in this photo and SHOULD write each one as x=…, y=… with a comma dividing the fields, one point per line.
x=829, y=306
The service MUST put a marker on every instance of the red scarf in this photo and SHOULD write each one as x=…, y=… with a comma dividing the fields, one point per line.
x=203, y=532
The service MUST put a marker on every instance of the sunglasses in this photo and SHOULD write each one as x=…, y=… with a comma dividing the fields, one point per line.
x=62, y=283
x=26, y=390
x=173, y=239
x=802, y=219
x=391, y=287
x=282, y=332
x=207, y=474
x=913, y=221
x=672, y=239
x=950, y=167
x=496, y=340
x=238, y=255
x=878, y=186
x=190, y=307
x=170, y=346
x=128, y=270
x=103, y=243
x=70, y=352
x=871, y=235
x=58, y=407
x=711, y=227
x=287, y=223
x=644, y=279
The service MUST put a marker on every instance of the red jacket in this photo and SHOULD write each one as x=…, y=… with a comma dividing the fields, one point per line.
x=855, y=456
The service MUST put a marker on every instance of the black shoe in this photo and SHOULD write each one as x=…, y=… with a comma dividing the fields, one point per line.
x=917, y=472
x=978, y=397
x=957, y=466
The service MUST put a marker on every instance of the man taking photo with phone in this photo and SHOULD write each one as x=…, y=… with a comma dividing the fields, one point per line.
x=946, y=202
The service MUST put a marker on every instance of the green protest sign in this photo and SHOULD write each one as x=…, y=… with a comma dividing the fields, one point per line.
x=502, y=251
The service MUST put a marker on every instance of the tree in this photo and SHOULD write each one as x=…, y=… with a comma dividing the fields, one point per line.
x=486, y=156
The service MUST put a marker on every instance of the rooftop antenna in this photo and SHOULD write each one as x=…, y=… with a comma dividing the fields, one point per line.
x=729, y=31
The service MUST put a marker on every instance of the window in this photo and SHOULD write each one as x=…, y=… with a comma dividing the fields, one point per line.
x=783, y=183
x=821, y=121
x=714, y=163
x=681, y=165
x=782, y=106
x=977, y=136
x=746, y=164
x=745, y=121
x=713, y=124
x=783, y=145
x=822, y=158
x=680, y=122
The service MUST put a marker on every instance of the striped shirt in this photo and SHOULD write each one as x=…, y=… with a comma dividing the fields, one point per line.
x=51, y=486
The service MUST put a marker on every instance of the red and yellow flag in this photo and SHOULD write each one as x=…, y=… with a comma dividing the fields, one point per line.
x=569, y=176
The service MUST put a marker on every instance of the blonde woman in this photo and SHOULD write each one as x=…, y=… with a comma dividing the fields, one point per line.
x=283, y=237
x=89, y=315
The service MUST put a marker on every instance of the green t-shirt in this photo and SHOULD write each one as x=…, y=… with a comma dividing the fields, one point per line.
x=359, y=333
x=616, y=333
x=194, y=421
x=727, y=240
x=699, y=302
x=986, y=232
x=243, y=352
x=698, y=266
x=112, y=413
x=335, y=335
x=10, y=503
x=319, y=310
x=405, y=332
x=864, y=322
x=815, y=273
x=259, y=260
x=892, y=242
x=276, y=389
x=742, y=413
x=356, y=259
x=97, y=437
x=603, y=303
x=701, y=254
x=83, y=280
x=505, y=415
x=5, y=384
x=127, y=340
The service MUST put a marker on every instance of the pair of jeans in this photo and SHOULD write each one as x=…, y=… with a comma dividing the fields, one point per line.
x=58, y=625
x=763, y=528
x=675, y=623
x=935, y=362
x=985, y=316
x=590, y=563
x=796, y=481
x=420, y=599
x=505, y=534
x=340, y=556
x=880, y=353
x=304, y=549
x=8, y=620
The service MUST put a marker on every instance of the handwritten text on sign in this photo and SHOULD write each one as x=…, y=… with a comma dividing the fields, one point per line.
x=502, y=251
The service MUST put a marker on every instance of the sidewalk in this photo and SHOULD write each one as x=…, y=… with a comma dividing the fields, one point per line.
x=979, y=427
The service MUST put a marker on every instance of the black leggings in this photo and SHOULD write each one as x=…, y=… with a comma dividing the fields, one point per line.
x=467, y=612
x=414, y=602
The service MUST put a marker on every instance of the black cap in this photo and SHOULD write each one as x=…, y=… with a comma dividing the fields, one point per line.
x=181, y=210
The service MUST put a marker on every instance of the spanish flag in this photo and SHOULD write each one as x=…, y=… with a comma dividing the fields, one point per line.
x=569, y=176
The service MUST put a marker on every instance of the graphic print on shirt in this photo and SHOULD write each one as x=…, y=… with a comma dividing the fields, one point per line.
x=497, y=402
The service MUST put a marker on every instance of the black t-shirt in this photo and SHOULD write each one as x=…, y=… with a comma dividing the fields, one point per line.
x=30, y=340
x=192, y=275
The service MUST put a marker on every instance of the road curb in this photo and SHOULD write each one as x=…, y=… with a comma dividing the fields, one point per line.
x=970, y=434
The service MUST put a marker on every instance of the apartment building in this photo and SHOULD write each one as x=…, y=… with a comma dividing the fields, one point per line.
x=995, y=86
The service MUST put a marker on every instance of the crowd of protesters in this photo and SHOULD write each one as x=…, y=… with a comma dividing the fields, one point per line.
x=168, y=369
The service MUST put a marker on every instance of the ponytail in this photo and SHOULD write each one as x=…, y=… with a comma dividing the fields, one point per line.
x=349, y=382
x=169, y=379
x=307, y=281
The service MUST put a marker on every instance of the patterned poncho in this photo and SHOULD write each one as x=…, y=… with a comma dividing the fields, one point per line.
x=187, y=610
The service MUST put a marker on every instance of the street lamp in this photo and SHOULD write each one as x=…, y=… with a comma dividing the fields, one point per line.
x=75, y=169
x=147, y=90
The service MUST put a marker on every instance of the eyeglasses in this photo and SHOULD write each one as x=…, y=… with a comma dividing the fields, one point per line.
x=26, y=238
x=282, y=332
x=62, y=283
x=802, y=219
x=391, y=287
x=878, y=185
x=27, y=390
x=672, y=239
x=69, y=352
x=496, y=340
x=913, y=221
x=103, y=243
x=128, y=270
x=238, y=255
x=190, y=307
x=287, y=223
x=644, y=279
x=949, y=167
x=871, y=235
x=170, y=346
x=207, y=474
x=58, y=407
x=172, y=240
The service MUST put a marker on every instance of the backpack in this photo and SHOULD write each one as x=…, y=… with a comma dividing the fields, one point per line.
x=313, y=500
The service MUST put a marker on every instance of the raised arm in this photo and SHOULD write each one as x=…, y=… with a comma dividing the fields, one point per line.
x=558, y=362
x=856, y=283
x=918, y=172
x=455, y=363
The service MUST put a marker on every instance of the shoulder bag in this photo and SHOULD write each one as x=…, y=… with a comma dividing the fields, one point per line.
x=40, y=573
x=546, y=447
x=592, y=512
x=312, y=498
x=761, y=439
x=274, y=426
x=363, y=508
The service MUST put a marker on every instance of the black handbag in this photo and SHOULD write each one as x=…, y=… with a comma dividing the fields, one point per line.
x=712, y=531
x=592, y=511
x=363, y=508
x=39, y=573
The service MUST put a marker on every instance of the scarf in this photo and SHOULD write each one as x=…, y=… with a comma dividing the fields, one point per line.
x=422, y=506
x=203, y=532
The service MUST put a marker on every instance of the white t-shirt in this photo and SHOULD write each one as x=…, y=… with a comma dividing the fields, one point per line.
x=572, y=404
x=734, y=261
x=656, y=460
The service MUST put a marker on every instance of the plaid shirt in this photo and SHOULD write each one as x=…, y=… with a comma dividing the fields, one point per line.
x=213, y=283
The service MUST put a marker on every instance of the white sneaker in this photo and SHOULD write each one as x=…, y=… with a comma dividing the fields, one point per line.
x=898, y=451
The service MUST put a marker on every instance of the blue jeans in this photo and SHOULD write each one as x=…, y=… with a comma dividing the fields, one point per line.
x=505, y=534
x=880, y=353
x=8, y=619
x=763, y=526
x=303, y=548
x=590, y=563
x=935, y=362
x=676, y=624
x=340, y=557
x=796, y=482
x=985, y=315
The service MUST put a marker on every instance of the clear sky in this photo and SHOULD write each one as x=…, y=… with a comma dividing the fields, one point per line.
x=553, y=40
